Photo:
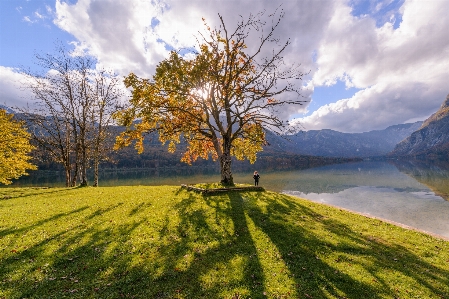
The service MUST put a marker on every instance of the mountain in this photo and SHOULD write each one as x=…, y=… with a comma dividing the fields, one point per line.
x=330, y=143
x=431, y=139
x=8, y=110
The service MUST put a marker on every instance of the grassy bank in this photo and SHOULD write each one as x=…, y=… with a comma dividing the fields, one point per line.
x=164, y=242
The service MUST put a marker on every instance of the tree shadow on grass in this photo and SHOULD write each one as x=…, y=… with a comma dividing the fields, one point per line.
x=203, y=247
x=194, y=250
x=206, y=249
x=139, y=208
x=12, y=193
x=301, y=250
x=23, y=230
x=77, y=269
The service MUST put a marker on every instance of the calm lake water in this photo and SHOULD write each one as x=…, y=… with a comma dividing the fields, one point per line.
x=414, y=194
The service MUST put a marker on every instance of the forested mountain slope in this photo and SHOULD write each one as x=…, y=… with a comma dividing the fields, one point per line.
x=330, y=143
x=431, y=139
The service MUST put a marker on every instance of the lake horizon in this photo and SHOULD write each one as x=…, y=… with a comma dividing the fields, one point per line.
x=399, y=191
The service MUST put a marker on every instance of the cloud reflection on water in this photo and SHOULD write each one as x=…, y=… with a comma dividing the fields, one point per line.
x=419, y=209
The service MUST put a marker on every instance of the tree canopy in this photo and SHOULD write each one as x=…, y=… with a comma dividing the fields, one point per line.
x=14, y=149
x=221, y=101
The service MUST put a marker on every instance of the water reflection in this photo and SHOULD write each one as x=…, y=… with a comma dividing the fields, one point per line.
x=126, y=176
x=434, y=175
x=377, y=189
x=338, y=177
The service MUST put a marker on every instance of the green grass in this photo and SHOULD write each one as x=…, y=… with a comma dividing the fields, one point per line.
x=164, y=242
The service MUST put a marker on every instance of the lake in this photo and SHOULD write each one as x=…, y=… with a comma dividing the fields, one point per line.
x=415, y=194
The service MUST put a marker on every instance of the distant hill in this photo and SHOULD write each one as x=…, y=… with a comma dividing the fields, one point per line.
x=316, y=143
x=8, y=110
x=431, y=139
x=330, y=143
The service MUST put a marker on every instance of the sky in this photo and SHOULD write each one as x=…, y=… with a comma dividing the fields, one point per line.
x=370, y=64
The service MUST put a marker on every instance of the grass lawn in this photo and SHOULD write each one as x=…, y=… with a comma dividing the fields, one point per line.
x=165, y=242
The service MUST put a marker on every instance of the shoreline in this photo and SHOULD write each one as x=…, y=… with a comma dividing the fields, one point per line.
x=377, y=218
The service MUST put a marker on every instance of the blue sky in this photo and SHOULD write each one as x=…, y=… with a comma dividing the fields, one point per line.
x=380, y=11
x=26, y=27
x=371, y=63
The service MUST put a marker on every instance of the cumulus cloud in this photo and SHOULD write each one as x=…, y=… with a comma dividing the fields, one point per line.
x=135, y=36
x=401, y=70
x=377, y=107
x=117, y=32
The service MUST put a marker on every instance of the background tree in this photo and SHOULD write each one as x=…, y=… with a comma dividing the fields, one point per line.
x=14, y=149
x=221, y=101
x=71, y=111
x=105, y=99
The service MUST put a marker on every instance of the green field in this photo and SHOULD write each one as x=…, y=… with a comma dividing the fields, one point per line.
x=165, y=242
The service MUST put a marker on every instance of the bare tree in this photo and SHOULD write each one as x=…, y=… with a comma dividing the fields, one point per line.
x=106, y=95
x=71, y=111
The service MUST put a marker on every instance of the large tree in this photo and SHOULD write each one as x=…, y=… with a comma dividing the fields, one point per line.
x=71, y=111
x=14, y=149
x=222, y=100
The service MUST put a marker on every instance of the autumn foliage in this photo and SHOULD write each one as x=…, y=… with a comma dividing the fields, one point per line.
x=220, y=101
x=14, y=149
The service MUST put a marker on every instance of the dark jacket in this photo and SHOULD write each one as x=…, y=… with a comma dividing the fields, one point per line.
x=256, y=177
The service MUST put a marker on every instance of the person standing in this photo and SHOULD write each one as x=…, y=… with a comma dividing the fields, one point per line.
x=256, y=177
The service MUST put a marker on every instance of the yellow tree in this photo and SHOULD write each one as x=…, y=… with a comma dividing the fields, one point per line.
x=221, y=101
x=14, y=149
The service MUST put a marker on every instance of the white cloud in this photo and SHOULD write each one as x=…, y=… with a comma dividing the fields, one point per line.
x=27, y=19
x=403, y=71
x=132, y=36
x=118, y=32
x=379, y=106
x=11, y=92
x=38, y=15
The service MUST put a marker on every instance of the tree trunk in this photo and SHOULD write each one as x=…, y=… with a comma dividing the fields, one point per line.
x=76, y=152
x=83, y=168
x=75, y=167
x=225, y=164
x=96, y=162
x=75, y=174
x=83, y=173
x=67, y=176
x=98, y=140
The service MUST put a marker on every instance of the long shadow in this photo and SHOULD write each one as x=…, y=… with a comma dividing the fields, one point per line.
x=12, y=193
x=138, y=209
x=73, y=256
x=189, y=253
x=13, y=230
x=101, y=211
x=386, y=256
x=192, y=250
x=321, y=280
x=73, y=266
x=203, y=249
